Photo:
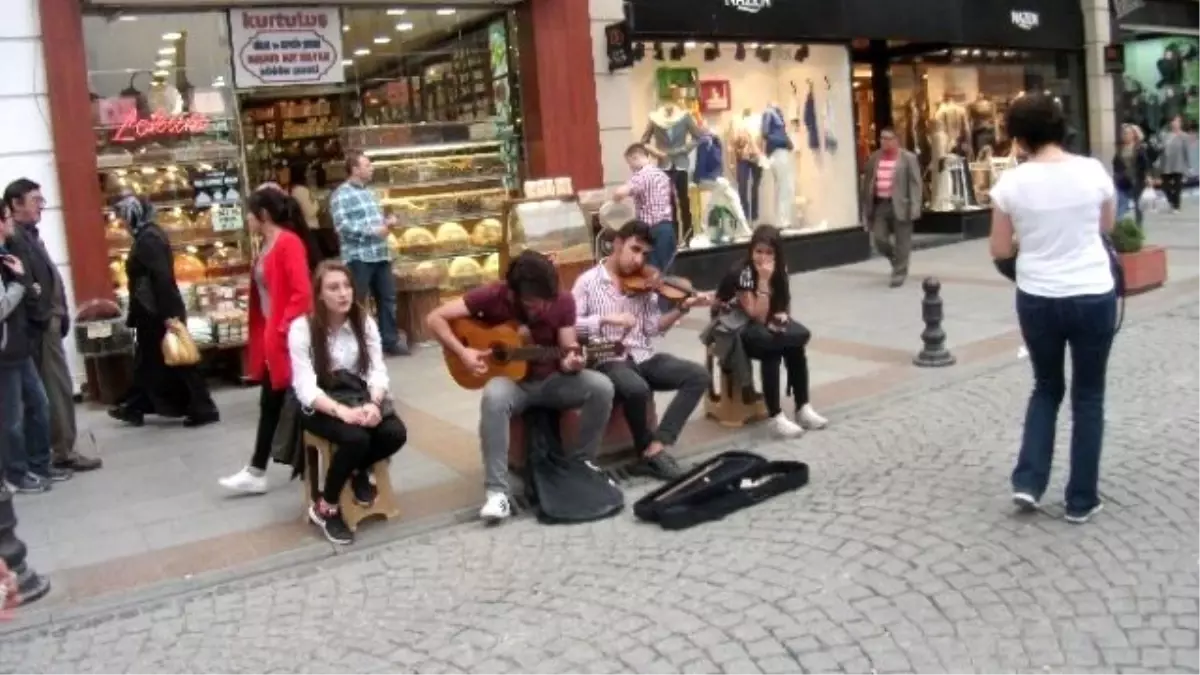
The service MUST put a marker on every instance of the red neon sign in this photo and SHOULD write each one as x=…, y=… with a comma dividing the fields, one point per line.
x=134, y=128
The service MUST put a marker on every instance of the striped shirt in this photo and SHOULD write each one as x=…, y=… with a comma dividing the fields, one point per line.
x=651, y=190
x=598, y=295
x=883, y=176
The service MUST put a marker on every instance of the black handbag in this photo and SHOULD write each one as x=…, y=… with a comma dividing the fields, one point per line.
x=727, y=483
x=1007, y=267
x=563, y=489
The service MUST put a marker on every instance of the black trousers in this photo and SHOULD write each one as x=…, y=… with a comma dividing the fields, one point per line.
x=1172, y=185
x=770, y=350
x=358, y=448
x=683, y=210
x=635, y=384
x=270, y=406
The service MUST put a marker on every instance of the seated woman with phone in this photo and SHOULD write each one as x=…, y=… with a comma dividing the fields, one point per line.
x=758, y=288
x=341, y=383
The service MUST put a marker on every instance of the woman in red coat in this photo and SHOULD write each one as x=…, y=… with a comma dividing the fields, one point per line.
x=279, y=293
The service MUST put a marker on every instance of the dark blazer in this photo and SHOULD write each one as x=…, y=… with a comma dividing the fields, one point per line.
x=38, y=305
x=1131, y=183
x=906, y=187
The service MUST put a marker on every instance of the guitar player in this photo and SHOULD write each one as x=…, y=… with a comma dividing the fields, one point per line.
x=529, y=296
x=605, y=312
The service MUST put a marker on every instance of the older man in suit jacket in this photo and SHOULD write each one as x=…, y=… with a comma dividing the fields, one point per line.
x=891, y=201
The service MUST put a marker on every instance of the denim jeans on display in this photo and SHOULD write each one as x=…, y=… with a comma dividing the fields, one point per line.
x=24, y=421
x=1085, y=324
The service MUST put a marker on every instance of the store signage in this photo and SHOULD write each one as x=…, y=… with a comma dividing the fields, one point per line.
x=749, y=6
x=619, y=47
x=1114, y=59
x=1025, y=20
x=134, y=128
x=286, y=46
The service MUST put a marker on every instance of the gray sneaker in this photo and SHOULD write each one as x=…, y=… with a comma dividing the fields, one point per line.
x=28, y=484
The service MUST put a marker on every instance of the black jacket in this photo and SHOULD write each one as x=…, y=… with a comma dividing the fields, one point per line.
x=15, y=335
x=1131, y=183
x=150, y=269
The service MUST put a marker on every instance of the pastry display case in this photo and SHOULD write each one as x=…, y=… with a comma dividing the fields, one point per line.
x=557, y=226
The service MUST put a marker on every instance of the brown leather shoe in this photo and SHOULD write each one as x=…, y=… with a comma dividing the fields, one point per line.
x=78, y=462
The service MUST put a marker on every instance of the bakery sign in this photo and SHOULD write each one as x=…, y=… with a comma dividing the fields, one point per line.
x=286, y=46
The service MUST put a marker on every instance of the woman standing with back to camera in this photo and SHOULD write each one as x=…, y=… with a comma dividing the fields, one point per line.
x=1054, y=209
x=280, y=292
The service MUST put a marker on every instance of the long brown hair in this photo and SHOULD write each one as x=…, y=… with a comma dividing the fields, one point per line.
x=318, y=323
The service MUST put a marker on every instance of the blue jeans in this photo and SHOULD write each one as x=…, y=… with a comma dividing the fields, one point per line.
x=24, y=421
x=1086, y=323
x=375, y=279
x=1127, y=202
x=663, y=253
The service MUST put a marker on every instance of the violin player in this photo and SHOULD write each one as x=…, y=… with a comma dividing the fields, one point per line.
x=617, y=300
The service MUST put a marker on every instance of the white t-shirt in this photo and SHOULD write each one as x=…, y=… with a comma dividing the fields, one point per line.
x=1055, y=210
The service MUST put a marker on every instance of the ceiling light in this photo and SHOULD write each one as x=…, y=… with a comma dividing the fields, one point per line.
x=163, y=63
x=161, y=73
x=383, y=40
x=347, y=62
x=678, y=52
x=219, y=82
x=639, y=51
x=740, y=52
x=404, y=25
x=446, y=12
x=345, y=29
x=690, y=44
x=397, y=12
x=361, y=52
x=763, y=54
x=712, y=52
x=658, y=51
x=127, y=17
x=171, y=37
x=752, y=45
x=166, y=51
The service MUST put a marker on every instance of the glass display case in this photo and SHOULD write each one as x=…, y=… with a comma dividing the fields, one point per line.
x=557, y=226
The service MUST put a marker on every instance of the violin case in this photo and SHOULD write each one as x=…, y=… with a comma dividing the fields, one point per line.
x=727, y=483
x=563, y=489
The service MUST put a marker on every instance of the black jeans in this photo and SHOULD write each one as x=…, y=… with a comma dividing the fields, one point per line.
x=635, y=384
x=683, y=210
x=1172, y=185
x=358, y=448
x=270, y=406
x=771, y=349
x=1086, y=323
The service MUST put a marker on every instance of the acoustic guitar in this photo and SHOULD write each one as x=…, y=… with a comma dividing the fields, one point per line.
x=509, y=352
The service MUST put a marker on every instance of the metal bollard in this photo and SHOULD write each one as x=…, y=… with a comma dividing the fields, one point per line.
x=934, y=354
x=31, y=585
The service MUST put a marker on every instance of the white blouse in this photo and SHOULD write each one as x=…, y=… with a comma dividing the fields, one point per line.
x=343, y=355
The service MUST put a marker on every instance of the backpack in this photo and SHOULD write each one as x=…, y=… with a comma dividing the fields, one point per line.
x=563, y=489
x=727, y=483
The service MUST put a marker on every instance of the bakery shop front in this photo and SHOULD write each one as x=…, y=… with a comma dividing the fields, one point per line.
x=942, y=72
x=194, y=105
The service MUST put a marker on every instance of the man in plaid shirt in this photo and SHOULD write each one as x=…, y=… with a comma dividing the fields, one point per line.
x=652, y=194
x=362, y=232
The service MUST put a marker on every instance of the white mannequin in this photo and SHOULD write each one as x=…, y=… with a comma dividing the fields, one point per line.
x=939, y=147
x=745, y=161
x=783, y=166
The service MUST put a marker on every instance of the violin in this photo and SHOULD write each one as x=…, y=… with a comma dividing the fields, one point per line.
x=649, y=280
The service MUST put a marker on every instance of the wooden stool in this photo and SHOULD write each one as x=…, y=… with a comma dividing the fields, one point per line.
x=318, y=449
x=728, y=407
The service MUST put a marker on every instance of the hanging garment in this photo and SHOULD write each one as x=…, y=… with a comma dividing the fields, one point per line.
x=783, y=165
x=774, y=131
x=810, y=122
x=831, y=143
x=749, y=183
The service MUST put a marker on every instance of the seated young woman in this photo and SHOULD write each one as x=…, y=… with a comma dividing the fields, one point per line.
x=341, y=382
x=759, y=288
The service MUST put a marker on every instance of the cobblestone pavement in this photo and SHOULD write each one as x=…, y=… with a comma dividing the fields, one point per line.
x=903, y=554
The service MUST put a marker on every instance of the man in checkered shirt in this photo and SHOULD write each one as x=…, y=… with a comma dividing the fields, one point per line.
x=651, y=190
x=362, y=232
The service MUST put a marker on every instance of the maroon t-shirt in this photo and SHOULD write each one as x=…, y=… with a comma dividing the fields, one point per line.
x=493, y=304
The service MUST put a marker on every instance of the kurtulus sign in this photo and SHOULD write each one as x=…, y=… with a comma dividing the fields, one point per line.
x=286, y=46
x=1032, y=24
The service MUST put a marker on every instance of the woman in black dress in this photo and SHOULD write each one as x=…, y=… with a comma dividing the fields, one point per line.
x=158, y=389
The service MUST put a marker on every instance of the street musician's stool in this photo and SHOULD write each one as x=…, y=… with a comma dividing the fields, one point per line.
x=725, y=403
x=318, y=449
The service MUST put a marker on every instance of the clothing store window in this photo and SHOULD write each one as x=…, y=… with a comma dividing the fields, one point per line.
x=948, y=106
x=750, y=134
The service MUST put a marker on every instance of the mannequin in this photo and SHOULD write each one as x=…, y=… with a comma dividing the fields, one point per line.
x=939, y=140
x=954, y=121
x=982, y=113
x=747, y=156
x=778, y=147
x=723, y=217
x=672, y=134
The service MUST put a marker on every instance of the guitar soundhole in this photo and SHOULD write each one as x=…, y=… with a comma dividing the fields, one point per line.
x=500, y=353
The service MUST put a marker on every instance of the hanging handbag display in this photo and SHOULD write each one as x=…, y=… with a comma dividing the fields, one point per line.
x=729, y=482
x=178, y=347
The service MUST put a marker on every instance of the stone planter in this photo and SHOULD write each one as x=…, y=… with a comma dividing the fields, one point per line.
x=1145, y=270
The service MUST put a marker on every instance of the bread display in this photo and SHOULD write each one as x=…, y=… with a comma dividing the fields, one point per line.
x=173, y=220
x=417, y=241
x=116, y=270
x=488, y=233
x=189, y=269
x=452, y=238
x=393, y=244
x=491, y=267
x=464, y=273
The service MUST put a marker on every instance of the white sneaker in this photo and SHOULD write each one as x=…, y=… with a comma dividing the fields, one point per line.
x=247, y=481
x=809, y=419
x=496, y=508
x=785, y=427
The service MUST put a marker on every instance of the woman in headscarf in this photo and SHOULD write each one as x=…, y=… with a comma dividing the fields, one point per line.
x=154, y=298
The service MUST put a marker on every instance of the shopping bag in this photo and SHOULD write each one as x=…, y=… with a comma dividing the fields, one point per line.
x=178, y=347
x=1148, y=199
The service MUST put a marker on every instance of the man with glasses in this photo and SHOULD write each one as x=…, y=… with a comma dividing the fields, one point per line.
x=50, y=325
x=891, y=201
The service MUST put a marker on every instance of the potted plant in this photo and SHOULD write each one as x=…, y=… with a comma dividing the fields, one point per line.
x=1145, y=266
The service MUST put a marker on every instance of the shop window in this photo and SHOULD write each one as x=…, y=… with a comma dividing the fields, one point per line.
x=685, y=92
x=1162, y=80
x=948, y=106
